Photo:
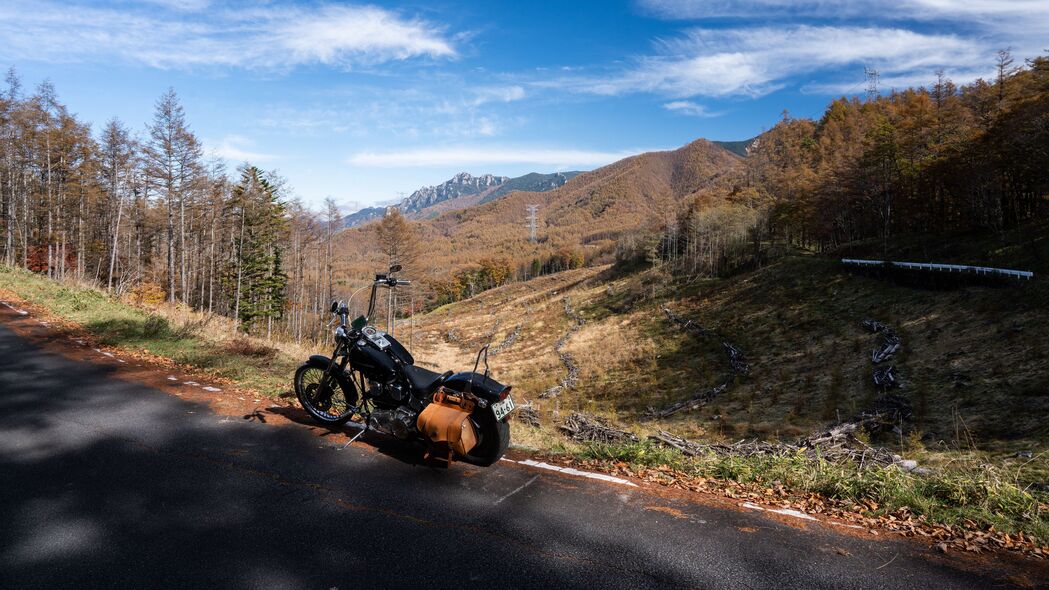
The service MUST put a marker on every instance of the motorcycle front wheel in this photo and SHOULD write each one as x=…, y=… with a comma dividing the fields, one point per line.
x=328, y=400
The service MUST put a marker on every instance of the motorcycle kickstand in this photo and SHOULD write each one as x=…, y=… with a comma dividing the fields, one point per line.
x=367, y=422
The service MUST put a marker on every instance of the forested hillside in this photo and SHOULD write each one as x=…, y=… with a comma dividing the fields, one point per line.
x=148, y=216
x=583, y=222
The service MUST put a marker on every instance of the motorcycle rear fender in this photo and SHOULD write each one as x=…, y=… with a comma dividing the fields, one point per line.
x=483, y=387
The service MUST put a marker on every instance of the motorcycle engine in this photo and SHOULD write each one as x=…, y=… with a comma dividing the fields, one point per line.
x=399, y=422
x=387, y=393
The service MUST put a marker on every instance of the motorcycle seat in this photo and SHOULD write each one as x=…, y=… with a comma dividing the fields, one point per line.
x=423, y=380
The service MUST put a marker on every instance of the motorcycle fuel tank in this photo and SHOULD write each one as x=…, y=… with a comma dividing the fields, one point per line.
x=375, y=364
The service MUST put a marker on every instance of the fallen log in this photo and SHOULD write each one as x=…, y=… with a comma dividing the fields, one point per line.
x=837, y=444
x=588, y=428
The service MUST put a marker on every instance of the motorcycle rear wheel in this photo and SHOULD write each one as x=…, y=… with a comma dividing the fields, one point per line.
x=495, y=438
x=326, y=402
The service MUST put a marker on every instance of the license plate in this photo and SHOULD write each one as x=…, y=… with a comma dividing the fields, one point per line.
x=502, y=409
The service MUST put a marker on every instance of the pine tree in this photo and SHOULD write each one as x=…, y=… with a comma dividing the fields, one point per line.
x=256, y=278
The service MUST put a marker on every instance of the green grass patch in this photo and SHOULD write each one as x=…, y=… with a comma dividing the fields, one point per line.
x=962, y=490
x=115, y=323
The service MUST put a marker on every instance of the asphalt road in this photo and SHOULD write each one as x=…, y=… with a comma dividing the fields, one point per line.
x=107, y=483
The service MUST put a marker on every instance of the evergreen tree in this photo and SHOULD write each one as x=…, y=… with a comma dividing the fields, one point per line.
x=256, y=277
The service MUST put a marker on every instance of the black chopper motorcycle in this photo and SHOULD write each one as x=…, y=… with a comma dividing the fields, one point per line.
x=372, y=377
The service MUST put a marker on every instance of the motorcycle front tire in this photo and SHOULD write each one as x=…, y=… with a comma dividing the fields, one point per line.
x=348, y=391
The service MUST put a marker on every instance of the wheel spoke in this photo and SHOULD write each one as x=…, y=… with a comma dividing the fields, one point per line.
x=327, y=399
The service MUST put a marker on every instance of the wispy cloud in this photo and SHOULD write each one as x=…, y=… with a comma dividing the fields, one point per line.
x=469, y=155
x=487, y=94
x=443, y=108
x=757, y=61
x=271, y=36
x=185, y=5
x=687, y=107
x=237, y=149
x=984, y=11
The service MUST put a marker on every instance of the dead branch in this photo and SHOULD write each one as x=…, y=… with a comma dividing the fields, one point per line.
x=588, y=428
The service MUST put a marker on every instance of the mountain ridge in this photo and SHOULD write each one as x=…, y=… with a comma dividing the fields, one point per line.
x=588, y=214
x=461, y=191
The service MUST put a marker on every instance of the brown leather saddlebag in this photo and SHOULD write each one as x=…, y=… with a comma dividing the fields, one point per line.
x=447, y=420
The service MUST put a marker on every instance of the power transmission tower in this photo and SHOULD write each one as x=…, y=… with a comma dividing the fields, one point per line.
x=533, y=211
x=871, y=75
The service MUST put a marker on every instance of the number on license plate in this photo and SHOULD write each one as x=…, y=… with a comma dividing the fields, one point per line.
x=502, y=409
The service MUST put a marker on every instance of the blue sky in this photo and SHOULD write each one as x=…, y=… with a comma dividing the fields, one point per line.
x=361, y=102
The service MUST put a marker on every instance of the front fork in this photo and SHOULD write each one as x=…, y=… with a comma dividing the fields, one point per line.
x=328, y=378
x=328, y=381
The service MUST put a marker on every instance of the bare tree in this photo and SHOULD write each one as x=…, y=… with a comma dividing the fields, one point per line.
x=116, y=154
x=173, y=167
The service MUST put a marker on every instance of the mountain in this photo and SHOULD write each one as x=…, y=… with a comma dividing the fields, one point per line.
x=363, y=216
x=533, y=183
x=590, y=212
x=460, y=185
x=740, y=148
x=461, y=191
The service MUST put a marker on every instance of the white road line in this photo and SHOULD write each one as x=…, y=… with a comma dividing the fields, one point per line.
x=848, y=526
x=13, y=308
x=523, y=486
x=576, y=472
x=783, y=511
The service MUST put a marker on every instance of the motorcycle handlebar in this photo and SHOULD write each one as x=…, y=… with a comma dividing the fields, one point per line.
x=403, y=282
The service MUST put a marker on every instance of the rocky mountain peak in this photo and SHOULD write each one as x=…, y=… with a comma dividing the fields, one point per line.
x=462, y=184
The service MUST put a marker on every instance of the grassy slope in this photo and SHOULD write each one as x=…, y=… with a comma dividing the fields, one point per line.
x=195, y=340
x=974, y=358
x=798, y=320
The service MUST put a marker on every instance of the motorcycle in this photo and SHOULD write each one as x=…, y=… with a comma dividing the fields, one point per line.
x=371, y=376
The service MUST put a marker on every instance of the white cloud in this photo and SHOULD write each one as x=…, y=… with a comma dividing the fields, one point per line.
x=757, y=61
x=237, y=149
x=687, y=107
x=465, y=156
x=268, y=37
x=489, y=94
x=343, y=33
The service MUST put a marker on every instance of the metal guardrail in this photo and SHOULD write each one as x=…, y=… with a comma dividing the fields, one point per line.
x=961, y=268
